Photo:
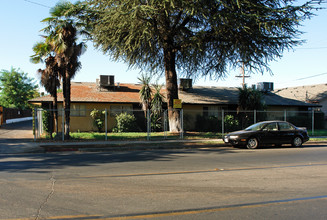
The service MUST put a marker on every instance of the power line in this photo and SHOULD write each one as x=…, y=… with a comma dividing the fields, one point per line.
x=37, y=3
x=311, y=76
x=311, y=48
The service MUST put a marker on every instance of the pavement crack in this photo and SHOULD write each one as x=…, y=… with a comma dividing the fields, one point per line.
x=53, y=181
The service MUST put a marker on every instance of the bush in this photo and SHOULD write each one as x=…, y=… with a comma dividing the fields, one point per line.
x=98, y=118
x=231, y=123
x=46, y=117
x=125, y=123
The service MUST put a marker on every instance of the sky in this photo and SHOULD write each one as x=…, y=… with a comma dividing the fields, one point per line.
x=20, y=22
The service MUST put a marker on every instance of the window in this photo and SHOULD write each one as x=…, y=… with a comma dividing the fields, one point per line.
x=117, y=109
x=272, y=127
x=76, y=110
x=211, y=111
x=284, y=126
x=205, y=111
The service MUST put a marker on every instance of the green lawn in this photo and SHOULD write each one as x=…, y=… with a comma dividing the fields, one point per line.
x=318, y=132
x=159, y=135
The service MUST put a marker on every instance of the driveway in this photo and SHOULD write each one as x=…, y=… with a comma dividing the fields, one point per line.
x=16, y=131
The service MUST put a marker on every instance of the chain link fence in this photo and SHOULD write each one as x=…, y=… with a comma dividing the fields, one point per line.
x=124, y=123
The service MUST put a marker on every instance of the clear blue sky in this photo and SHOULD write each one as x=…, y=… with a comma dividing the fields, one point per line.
x=20, y=25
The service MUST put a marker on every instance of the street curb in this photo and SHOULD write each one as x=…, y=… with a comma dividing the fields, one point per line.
x=135, y=146
x=131, y=146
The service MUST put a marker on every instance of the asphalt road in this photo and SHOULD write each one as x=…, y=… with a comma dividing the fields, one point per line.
x=273, y=183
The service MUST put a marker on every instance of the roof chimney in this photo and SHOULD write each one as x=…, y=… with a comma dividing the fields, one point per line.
x=265, y=86
x=185, y=84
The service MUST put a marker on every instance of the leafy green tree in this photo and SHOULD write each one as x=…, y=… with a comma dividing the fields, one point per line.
x=194, y=38
x=62, y=32
x=16, y=89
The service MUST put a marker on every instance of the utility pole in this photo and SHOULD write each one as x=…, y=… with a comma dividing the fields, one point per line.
x=243, y=75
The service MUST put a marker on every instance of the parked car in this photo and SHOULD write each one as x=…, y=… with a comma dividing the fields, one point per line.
x=266, y=133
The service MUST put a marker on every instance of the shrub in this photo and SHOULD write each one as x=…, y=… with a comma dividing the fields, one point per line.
x=125, y=123
x=45, y=120
x=98, y=118
x=231, y=123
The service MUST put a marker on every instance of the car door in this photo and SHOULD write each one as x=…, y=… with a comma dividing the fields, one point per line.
x=270, y=133
x=286, y=132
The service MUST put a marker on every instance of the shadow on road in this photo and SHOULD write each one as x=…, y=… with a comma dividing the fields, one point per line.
x=45, y=162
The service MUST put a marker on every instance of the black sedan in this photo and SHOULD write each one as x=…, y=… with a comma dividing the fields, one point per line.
x=266, y=133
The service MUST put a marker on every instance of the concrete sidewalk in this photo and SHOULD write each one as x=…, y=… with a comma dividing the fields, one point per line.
x=42, y=147
x=29, y=146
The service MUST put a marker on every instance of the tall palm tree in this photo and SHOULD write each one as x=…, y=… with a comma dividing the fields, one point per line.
x=49, y=75
x=62, y=34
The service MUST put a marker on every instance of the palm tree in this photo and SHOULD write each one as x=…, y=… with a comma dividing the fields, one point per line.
x=156, y=107
x=49, y=75
x=145, y=93
x=62, y=32
x=157, y=99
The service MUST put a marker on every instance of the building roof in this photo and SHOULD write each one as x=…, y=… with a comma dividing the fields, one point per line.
x=311, y=93
x=129, y=93
x=90, y=92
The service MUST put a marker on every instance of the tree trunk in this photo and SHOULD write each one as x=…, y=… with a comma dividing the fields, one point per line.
x=66, y=104
x=55, y=111
x=172, y=90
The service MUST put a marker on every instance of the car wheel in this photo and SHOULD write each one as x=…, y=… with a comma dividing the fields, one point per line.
x=252, y=143
x=297, y=142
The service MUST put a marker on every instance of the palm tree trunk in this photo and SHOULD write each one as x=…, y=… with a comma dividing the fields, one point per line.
x=66, y=88
x=172, y=90
x=66, y=104
x=55, y=111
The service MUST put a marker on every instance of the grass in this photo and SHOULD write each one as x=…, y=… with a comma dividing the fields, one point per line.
x=142, y=136
x=318, y=132
x=137, y=136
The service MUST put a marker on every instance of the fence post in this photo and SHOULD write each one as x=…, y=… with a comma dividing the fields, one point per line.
x=148, y=124
x=165, y=124
x=182, y=124
x=105, y=123
x=39, y=123
x=285, y=115
x=222, y=123
x=255, y=116
x=63, y=124
x=34, y=109
x=313, y=122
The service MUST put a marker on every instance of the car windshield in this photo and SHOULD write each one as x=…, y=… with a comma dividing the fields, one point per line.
x=255, y=127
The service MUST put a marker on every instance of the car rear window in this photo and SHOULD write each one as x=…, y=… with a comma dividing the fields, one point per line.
x=284, y=126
